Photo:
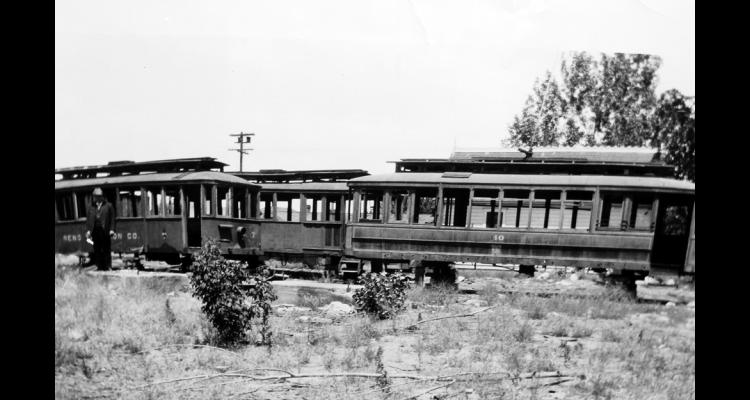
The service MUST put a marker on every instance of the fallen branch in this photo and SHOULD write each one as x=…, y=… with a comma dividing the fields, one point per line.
x=437, y=378
x=552, y=383
x=380, y=389
x=446, y=317
x=190, y=345
x=430, y=390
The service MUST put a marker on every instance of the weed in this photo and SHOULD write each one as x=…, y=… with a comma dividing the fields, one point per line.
x=581, y=332
x=328, y=360
x=361, y=333
x=169, y=313
x=536, y=313
x=489, y=292
x=557, y=330
x=311, y=301
x=439, y=294
x=382, y=380
x=523, y=333
x=602, y=388
x=514, y=361
x=610, y=335
x=130, y=345
x=419, y=347
x=371, y=355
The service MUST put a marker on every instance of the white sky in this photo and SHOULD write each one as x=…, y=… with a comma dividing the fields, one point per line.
x=327, y=83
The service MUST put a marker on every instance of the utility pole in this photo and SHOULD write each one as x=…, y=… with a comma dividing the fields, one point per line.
x=242, y=138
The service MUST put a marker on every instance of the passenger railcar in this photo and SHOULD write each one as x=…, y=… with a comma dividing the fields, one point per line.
x=629, y=218
x=164, y=209
x=304, y=214
x=617, y=209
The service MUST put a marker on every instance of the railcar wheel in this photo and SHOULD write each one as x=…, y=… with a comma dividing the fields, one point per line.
x=443, y=274
x=526, y=270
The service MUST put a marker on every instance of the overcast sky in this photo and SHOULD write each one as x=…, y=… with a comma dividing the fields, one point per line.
x=328, y=83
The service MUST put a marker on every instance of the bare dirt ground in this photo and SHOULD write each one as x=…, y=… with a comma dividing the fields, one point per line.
x=145, y=342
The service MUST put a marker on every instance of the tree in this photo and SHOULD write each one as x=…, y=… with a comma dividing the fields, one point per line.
x=674, y=123
x=538, y=124
x=608, y=101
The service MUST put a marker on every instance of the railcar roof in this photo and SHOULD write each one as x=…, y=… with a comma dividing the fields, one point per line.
x=132, y=167
x=581, y=154
x=167, y=177
x=306, y=187
x=280, y=175
x=406, y=178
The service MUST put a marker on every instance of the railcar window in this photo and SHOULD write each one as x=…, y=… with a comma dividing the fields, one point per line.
x=545, y=212
x=314, y=207
x=192, y=208
x=266, y=204
x=152, y=201
x=296, y=209
x=425, y=210
x=289, y=207
x=371, y=206
x=640, y=214
x=675, y=221
x=110, y=195
x=172, y=206
x=484, y=208
x=317, y=213
x=83, y=199
x=64, y=203
x=398, y=210
x=455, y=203
x=515, y=210
x=577, y=214
x=334, y=207
x=611, y=210
x=223, y=201
x=253, y=206
x=208, y=202
x=130, y=203
x=239, y=202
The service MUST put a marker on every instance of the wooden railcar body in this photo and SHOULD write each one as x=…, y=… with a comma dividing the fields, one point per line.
x=303, y=213
x=163, y=215
x=319, y=234
x=534, y=241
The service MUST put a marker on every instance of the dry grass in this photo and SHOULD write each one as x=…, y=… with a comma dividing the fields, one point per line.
x=105, y=339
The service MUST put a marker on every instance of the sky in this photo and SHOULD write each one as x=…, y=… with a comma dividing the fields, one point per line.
x=328, y=84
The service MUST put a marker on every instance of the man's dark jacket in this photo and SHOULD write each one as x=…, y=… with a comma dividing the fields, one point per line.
x=107, y=218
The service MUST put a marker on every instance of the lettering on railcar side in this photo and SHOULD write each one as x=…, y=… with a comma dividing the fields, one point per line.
x=498, y=238
x=72, y=237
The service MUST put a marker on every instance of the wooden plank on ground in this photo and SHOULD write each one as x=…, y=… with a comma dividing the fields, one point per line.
x=665, y=293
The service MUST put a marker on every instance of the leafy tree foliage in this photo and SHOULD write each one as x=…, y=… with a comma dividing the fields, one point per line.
x=608, y=101
x=382, y=294
x=675, y=116
x=539, y=120
x=232, y=297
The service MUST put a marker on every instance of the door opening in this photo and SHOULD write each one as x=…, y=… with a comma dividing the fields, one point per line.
x=672, y=232
x=193, y=215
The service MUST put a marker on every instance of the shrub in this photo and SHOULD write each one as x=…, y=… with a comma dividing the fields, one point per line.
x=382, y=295
x=223, y=287
x=489, y=292
x=524, y=333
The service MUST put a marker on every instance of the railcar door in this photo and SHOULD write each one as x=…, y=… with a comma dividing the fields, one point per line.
x=672, y=232
x=193, y=214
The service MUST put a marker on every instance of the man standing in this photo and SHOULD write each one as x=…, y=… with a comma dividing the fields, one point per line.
x=100, y=227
